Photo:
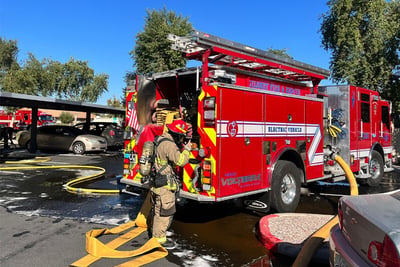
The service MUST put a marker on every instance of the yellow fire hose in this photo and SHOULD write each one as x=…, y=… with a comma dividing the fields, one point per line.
x=152, y=250
x=314, y=241
x=70, y=185
x=149, y=252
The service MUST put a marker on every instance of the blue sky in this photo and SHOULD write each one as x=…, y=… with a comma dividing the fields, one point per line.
x=103, y=32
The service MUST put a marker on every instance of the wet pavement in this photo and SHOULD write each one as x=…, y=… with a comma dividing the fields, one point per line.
x=221, y=234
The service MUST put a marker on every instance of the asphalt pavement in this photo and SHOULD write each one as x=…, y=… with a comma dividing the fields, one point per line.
x=42, y=241
x=34, y=239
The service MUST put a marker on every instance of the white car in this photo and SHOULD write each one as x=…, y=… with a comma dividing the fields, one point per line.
x=64, y=138
x=368, y=233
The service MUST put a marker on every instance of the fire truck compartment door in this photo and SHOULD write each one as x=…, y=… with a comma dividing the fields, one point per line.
x=366, y=128
x=240, y=139
x=384, y=133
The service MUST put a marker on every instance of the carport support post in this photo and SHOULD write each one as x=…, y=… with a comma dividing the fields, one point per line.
x=88, y=117
x=33, y=146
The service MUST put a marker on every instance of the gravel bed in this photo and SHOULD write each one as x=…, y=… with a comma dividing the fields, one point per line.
x=296, y=228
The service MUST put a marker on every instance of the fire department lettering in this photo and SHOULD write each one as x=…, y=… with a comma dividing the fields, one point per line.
x=241, y=180
x=274, y=87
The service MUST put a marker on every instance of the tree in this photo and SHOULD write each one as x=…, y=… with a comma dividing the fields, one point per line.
x=114, y=102
x=33, y=78
x=8, y=55
x=280, y=52
x=152, y=52
x=363, y=36
x=66, y=117
x=8, y=58
x=74, y=80
x=130, y=79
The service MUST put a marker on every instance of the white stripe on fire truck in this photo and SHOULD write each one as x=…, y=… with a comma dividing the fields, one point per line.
x=361, y=153
x=268, y=129
x=276, y=129
x=387, y=150
x=314, y=143
x=364, y=153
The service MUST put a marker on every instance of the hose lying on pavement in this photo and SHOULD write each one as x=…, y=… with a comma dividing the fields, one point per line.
x=315, y=240
x=69, y=186
x=149, y=252
x=152, y=250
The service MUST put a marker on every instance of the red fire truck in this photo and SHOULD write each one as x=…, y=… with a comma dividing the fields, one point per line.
x=23, y=118
x=262, y=128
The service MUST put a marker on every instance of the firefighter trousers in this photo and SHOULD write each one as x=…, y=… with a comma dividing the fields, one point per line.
x=163, y=205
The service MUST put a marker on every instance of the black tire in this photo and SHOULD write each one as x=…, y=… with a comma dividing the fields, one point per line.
x=79, y=148
x=376, y=169
x=285, y=187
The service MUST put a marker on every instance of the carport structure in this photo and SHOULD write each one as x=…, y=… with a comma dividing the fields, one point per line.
x=36, y=102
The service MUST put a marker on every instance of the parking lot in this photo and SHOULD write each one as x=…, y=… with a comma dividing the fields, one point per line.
x=44, y=225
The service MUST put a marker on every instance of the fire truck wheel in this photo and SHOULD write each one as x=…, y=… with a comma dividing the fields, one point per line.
x=375, y=169
x=285, y=187
x=78, y=148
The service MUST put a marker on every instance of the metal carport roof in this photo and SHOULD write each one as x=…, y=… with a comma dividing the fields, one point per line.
x=36, y=102
x=31, y=101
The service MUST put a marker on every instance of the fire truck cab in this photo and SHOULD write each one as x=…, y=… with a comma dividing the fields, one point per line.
x=262, y=129
x=22, y=119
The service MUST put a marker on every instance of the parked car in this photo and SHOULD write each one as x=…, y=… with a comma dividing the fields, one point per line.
x=63, y=138
x=112, y=132
x=368, y=233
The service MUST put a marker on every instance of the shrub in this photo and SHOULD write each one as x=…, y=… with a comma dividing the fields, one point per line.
x=66, y=117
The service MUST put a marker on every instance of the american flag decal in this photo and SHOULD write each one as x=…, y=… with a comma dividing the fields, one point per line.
x=132, y=119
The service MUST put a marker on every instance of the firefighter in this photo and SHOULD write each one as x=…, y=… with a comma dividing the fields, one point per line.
x=165, y=183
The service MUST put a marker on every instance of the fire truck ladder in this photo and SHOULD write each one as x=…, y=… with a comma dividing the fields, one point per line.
x=212, y=49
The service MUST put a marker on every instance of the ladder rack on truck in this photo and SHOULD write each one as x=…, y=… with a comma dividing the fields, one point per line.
x=224, y=52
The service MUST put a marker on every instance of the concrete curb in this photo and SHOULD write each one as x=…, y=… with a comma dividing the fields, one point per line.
x=285, y=234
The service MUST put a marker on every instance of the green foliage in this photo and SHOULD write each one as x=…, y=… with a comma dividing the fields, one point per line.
x=363, y=36
x=76, y=80
x=153, y=52
x=73, y=80
x=114, y=102
x=280, y=52
x=8, y=54
x=66, y=117
x=33, y=78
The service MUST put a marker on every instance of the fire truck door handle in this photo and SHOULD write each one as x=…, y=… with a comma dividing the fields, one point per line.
x=381, y=135
x=247, y=141
x=361, y=130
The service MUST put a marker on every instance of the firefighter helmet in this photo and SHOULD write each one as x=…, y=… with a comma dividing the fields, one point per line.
x=178, y=126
